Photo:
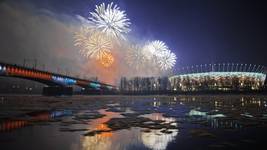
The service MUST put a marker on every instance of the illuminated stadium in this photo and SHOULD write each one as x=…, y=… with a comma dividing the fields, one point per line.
x=219, y=77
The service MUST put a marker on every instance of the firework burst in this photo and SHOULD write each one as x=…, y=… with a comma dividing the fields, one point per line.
x=154, y=49
x=135, y=57
x=167, y=60
x=110, y=20
x=106, y=26
x=106, y=59
x=92, y=44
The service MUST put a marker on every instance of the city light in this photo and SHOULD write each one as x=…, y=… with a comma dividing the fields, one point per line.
x=63, y=80
x=218, y=81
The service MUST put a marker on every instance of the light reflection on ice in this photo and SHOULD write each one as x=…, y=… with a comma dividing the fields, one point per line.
x=121, y=139
x=155, y=139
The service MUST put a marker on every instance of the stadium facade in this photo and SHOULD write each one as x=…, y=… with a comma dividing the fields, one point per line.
x=225, y=77
x=219, y=77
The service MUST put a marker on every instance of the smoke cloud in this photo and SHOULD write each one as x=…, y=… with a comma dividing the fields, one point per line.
x=31, y=33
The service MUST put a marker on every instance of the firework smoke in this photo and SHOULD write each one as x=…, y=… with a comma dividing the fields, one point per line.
x=135, y=57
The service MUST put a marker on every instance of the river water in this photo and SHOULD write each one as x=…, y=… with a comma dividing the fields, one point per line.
x=130, y=123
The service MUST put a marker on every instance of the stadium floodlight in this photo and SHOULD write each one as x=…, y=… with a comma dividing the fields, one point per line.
x=253, y=69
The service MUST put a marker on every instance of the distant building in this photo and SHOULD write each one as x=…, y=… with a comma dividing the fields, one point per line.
x=144, y=84
x=220, y=77
x=208, y=77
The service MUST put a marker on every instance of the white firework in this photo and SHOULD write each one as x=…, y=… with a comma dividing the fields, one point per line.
x=167, y=60
x=110, y=20
x=135, y=57
x=93, y=44
x=82, y=36
x=154, y=49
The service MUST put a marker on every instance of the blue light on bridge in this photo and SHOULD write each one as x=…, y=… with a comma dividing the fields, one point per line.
x=60, y=113
x=2, y=69
x=95, y=85
x=69, y=81
x=64, y=81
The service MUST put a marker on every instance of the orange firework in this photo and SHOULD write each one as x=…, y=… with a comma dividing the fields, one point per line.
x=106, y=59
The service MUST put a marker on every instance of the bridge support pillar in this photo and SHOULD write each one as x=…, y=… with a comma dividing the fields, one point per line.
x=57, y=91
x=89, y=91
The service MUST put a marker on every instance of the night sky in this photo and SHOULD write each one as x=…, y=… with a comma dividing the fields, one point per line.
x=197, y=31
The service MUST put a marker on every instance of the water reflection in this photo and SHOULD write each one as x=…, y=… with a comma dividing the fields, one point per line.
x=203, y=119
x=109, y=140
x=226, y=112
x=215, y=120
x=100, y=141
x=12, y=124
x=225, y=123
x=97, y=142
x=160, y=117
x=155, y=139
x=194, y=112
x=122, y=139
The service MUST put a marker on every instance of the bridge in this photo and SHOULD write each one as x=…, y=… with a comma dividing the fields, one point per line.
x=56, y=84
